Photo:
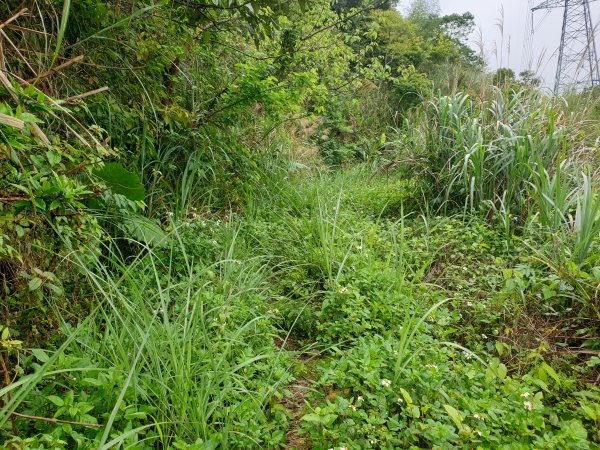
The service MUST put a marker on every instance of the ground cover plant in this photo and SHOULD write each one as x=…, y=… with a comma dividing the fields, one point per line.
x=243, y=225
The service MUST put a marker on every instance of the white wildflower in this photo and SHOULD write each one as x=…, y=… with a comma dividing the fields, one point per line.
x=528, y=406
x=360, y=398
x=478, y=417
x=353, y=407
x=431, y=366
x=343, y=289
x=525, y=394
x=386, y=383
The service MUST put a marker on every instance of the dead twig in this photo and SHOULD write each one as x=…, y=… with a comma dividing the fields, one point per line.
x=86, y=94
x=52, y=420
x=575, y=351
x=36, y=129
x=13, y=199
x=56, y=69
x=13, y=18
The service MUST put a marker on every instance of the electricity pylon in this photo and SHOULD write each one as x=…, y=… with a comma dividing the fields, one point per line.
x=577, y=58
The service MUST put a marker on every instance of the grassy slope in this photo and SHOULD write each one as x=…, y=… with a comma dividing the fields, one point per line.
x=397, y=324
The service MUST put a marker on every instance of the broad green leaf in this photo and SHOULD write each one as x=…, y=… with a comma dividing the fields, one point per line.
x=121, y=181
x=40, y=203
x=550, y=371
x=145, y=230
x=34, y=283
x=209, y=445
x=40, y=354
x=92, y=381
x=315, y=418
x=499, y=348
x=135, y=415
x=455, y=416
x=56, y=400
x=415, y=412
x=406, y=395
x=53, y=157
x=20, y=231
x=502, y=371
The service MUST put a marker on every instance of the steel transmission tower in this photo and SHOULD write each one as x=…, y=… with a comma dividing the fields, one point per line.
x=577, y=59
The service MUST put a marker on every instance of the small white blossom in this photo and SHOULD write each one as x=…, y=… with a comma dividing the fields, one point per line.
x=525, y=394
x=399, y=400
x=469, y=304
x=360, y=398
x=478, y=417
x=431, y=366
x=386, y=383
x=528, y=406
x=359, y=247
x=353, y=407
x=478, y=433
x=483, y=336
x=343, y=289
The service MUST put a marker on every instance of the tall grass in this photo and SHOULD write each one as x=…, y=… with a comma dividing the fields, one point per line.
x=479, y=152
x=587, y=220
x=189, y=338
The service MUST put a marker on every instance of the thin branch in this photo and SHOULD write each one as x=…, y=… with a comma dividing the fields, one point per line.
x=13, y=18
x=13, y=199
x=58, y=68
x=86, y=94
x=345, y=19
x=52, y=420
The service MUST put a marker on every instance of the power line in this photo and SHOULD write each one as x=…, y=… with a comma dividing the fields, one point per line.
x=577, y=60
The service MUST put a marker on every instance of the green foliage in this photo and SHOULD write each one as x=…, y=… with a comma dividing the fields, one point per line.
x=121, y=181
x=180, y=271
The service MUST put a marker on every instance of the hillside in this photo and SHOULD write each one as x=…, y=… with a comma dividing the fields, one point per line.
x=311, y=224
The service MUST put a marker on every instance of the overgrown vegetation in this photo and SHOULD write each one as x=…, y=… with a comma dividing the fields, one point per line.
x=230, y=224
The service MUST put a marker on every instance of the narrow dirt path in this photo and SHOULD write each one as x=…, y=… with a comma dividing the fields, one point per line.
x=295, y=403
x=299, y=390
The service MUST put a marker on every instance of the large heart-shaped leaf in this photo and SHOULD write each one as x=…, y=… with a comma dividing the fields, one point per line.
x=121, y=181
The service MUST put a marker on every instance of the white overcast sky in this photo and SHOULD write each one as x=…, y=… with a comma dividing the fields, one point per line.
x=543, y=43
